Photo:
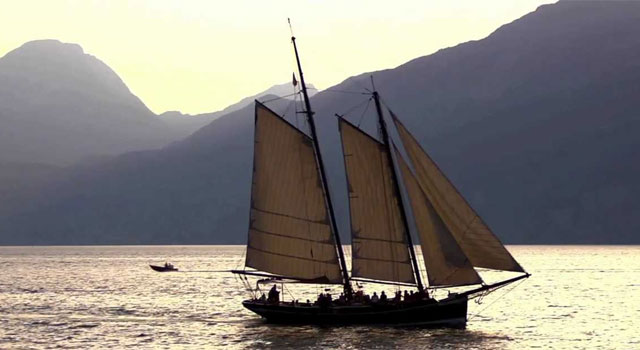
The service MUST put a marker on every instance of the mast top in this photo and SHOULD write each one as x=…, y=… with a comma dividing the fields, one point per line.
x=290, y=29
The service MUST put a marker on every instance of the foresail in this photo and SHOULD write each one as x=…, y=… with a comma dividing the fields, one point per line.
x=475, y=238
x=445, y=262
x=379, y=244
x=289, y=232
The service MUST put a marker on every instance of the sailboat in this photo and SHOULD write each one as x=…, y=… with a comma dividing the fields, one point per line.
x=293, y=234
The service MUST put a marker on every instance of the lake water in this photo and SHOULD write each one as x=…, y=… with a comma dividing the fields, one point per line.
x=579, y=297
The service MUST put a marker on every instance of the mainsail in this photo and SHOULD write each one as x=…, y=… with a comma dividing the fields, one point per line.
x=473, y=236
x=379, y=243
x=289, y=232
x=445, y=262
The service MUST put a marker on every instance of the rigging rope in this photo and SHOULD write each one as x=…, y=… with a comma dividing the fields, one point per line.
x=278, y=98
x=493, y=302
x=284, y=114
x=340, y=91
x=334, y=67
x=368, y=101
x=365, y=111
x=285, y=289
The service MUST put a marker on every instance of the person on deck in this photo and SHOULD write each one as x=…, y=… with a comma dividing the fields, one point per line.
x=324, y=300
x=342, y=299
x=375, y=298
x=383, y=297
x=359, y=297
x=274, y=295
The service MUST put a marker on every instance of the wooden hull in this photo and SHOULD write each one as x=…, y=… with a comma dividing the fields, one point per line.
x=451, y=313
x=162, y=268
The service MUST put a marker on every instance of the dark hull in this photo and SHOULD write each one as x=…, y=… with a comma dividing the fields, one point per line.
x=445, y=313
x=162, y=268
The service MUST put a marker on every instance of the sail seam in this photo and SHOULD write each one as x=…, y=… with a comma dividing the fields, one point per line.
x=385, y=260
x=328, y=262
x=323, y=222
x=378, y=240
x=292, y=237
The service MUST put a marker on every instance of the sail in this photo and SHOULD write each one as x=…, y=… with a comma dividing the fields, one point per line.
x=475, y=238
x=379, y=243
x=289, y=231
x=445, y=262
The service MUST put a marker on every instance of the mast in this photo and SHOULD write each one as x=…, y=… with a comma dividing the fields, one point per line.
x=387, y=144
x=323, y=176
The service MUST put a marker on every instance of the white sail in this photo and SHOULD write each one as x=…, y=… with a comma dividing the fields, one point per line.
x=289, y=231
x=379, y=243
x=445, y=262
x=475, y=238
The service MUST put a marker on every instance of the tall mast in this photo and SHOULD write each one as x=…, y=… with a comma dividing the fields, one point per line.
x=394, y=176
x=323, y=176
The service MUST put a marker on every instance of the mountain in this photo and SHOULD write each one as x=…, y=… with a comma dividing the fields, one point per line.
x=536, y=125
x=178, y=194
x=58, y=105
x=186, y=124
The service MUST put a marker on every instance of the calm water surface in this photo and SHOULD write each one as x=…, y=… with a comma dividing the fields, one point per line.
x=107, y=297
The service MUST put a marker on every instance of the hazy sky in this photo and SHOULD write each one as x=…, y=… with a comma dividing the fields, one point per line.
x=202, y=55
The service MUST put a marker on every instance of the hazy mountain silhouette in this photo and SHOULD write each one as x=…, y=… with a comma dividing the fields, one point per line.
x=537, y=126
x=58, y=104
x=186, y=124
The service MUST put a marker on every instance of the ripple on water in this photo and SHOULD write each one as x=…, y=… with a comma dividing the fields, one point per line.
x=102, y=297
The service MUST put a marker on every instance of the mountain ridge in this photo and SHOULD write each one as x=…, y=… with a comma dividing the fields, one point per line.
x=191, y=123
x=533, y=126
x=60, y=105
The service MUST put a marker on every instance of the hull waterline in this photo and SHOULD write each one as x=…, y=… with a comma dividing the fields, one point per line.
x=450, y=313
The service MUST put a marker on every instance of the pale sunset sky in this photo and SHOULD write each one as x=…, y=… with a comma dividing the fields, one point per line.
x=199, y=56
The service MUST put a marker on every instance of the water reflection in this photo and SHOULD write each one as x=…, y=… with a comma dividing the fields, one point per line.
x=267, y=337
x=79, y=297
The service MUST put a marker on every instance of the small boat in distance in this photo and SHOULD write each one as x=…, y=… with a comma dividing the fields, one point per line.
x=168, y=267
